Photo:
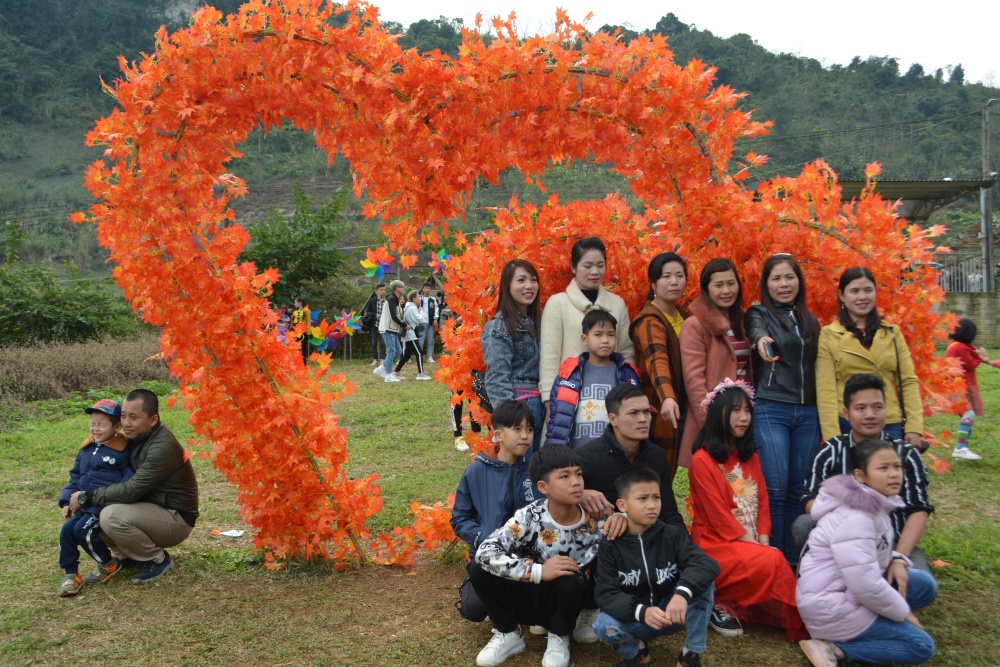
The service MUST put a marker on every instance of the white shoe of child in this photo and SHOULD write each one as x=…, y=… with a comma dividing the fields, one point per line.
x=500, y=647
x=584, y=631
x=556, y=652
x=965, y=454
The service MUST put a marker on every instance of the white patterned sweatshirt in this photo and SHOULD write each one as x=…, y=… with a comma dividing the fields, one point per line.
x=517, y=549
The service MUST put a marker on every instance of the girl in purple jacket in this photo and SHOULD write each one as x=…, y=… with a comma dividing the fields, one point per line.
x=856, y=595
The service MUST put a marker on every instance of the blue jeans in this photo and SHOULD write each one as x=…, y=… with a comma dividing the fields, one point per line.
x=896, y=641
x=538, y=412
x=787, y=437
x=623, y=636
x=427, y=341
x=393, y=349
x=892, y=430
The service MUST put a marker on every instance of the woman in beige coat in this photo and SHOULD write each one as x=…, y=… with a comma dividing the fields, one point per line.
x=563, y=314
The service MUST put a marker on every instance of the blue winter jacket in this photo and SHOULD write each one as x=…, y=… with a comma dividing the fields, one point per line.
x=566, y=394
x=488, y=495
x=97, y=465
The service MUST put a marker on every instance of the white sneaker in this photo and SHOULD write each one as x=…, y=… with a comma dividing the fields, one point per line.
x=431, y=361
x=423, y=376
x=392, y=377
x=556, y=652
x=462, y=446
x=380, y=371
x=399, y=377
x=502, y=646
x=539, y=630
x=584, y=631
x=374, y=362
x=965, y=454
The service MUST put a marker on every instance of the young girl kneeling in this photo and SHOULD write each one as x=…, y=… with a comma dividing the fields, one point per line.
x=847, y=571
x=732, y=521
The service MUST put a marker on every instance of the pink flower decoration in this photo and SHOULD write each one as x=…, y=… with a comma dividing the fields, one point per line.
x=723, y=386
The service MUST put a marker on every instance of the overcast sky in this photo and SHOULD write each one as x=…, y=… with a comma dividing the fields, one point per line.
x=944, y=36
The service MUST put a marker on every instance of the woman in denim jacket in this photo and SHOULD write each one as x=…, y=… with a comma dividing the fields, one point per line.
x=510, y=343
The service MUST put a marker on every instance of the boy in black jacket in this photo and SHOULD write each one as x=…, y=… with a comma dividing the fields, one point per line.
x=652, y=581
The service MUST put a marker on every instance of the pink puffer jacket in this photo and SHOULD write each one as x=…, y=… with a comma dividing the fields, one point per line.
x=842, y=587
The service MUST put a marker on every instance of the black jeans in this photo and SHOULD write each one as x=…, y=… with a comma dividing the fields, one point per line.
x=378, y=347
x=552, y=604
x=81, y=530
x=411, y=348
x=456, y=421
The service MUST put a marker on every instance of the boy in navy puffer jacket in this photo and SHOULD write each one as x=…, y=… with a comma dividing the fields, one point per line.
x=494, y=486
x=101, y=461
x=577, y=413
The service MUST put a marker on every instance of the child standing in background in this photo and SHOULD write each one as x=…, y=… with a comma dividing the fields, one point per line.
x=961, y=348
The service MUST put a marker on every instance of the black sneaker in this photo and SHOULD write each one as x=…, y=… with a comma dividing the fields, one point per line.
x=689, y=660
x=151, y=570
x=725, y=623
x=641, y=659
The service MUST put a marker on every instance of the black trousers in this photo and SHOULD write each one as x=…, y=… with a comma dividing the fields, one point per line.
x=456, y=420
x=411, y=348
x=552, y=604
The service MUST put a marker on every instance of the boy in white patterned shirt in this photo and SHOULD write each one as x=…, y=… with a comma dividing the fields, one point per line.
x=536, y=569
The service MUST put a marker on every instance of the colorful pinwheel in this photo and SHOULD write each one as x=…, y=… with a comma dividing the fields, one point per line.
x=438, y=260
x=378, y=262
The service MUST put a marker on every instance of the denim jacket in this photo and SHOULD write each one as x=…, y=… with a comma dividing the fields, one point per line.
x=510, y=364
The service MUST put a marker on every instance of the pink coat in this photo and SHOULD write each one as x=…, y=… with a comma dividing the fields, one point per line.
x=707, y=358
x=842, y=587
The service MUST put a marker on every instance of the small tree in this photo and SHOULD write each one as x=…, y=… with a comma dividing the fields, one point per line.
x=300, y=246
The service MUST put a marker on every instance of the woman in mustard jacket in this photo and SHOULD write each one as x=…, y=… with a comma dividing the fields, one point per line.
x=860, y=341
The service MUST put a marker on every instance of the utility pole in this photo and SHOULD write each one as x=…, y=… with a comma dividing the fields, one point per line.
x=986, y=207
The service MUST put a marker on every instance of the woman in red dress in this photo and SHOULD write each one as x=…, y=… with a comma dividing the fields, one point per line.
x=732, y=522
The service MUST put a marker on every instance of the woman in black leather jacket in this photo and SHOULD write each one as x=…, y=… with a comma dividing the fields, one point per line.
x=784, y=336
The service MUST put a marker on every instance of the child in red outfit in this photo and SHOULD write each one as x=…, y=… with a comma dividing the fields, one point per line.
x=961, y=348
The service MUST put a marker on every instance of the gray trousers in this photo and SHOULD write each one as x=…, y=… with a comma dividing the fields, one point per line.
x=140, y=531
x=802, y=526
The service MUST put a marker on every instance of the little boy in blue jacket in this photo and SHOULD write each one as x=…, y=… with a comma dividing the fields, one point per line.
x=493, y=487
x=577, y=413
x=101, y=461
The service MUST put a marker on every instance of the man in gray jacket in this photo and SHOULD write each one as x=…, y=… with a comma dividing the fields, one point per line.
x=158, y=506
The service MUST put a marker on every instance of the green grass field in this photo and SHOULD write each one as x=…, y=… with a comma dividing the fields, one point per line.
x=221, y=607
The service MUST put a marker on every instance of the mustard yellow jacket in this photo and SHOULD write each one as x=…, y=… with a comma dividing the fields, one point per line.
x=841, y=357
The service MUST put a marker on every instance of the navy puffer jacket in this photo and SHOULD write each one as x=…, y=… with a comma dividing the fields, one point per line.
x=566, y=394
x=97, y=465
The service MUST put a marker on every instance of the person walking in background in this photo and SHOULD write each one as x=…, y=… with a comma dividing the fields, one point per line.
x=510, y=342
x=564, y=312
x=411, y=337
x=655, y=333
x=392, y=326
x=969, y=357
x=860, y=341
x=303, y=314
x=429, y=315
x=371, y=314
x=713, y=345
x=784, y=335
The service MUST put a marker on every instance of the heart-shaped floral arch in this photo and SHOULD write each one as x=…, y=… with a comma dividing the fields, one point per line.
x=420, y=132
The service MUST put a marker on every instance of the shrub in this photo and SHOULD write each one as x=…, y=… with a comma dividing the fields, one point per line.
x=57, y=370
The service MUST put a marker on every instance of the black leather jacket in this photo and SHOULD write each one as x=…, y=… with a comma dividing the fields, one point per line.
x=792, y=378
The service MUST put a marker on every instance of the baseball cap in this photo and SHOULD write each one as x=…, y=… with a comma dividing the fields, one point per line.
x=108, y=407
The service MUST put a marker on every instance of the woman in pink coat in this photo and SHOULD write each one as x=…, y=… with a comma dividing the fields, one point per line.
x=713, y=345
x=855, y=594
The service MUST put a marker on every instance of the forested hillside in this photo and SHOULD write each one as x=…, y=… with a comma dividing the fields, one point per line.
x=54, y=53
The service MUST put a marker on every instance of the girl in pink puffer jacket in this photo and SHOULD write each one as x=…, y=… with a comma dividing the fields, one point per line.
x=855, y=594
